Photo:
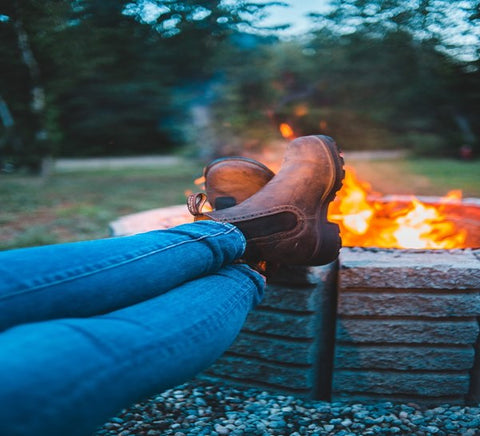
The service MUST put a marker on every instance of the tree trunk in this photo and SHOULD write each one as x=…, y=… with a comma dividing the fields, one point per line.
x=37, y=91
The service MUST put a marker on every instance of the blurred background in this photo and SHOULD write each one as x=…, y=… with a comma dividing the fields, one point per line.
x=117, y=77
x=199, y=79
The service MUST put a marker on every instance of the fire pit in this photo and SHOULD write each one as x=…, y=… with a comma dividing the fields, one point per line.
x=391, y=324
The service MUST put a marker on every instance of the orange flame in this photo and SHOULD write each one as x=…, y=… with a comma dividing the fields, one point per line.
x=199, y=180
x=367, y=221
x=286, y=131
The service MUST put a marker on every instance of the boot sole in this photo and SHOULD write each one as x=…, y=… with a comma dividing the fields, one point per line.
x=331, y=243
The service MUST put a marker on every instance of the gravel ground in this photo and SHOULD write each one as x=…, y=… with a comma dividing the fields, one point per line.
x=215, y=410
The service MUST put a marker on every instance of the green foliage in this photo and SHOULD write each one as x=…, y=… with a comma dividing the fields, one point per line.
x=110, y=72
x=373, y=75
x=126, y=77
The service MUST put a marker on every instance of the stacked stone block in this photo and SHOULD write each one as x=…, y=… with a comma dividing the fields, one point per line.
x=407, y=323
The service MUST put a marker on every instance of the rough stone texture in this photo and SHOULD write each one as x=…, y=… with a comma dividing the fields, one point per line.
x=407, y=324
x=277, y=350
x=425, y=358
x=409, y=269
x=302, y=299
x=253, y=372
x=474, y=393
x=419, y=385
x=407, y=331
x=420, y=303
x=287, y=325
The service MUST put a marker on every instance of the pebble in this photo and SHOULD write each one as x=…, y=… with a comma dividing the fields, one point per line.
x=200, y=408
x=221, y=430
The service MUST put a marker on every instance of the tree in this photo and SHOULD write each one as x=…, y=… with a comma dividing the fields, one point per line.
x=111, y=73
x=393, y=63
x=35, y=147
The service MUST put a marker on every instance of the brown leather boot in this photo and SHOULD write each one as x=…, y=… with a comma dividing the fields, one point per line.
x=286, y=221
x=231, y=180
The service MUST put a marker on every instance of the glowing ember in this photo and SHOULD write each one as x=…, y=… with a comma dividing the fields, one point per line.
x=367, y=221
x=199, y=181
x=286, y=131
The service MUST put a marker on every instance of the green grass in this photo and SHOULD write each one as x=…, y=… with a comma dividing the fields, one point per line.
x=420, y=176
x=445, y=174
x=79, y=205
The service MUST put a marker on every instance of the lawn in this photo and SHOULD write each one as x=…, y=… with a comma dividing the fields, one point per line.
x=79, y=205
x=420, y=176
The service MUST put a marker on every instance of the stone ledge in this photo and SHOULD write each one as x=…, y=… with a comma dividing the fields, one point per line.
x=424, y=384
x=404, y=269
x=366, y=398
x=281, y=324
x=404, y=358
x=275, y=350
x=302, y=299
x=254, y=370
x=365, y=303
x=154, y=219
x=431, y=331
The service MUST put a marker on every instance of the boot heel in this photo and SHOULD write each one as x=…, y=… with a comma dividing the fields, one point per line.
x=330, y=246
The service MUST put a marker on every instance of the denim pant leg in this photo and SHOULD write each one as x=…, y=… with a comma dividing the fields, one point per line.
x=68, y=376
x=93, y=277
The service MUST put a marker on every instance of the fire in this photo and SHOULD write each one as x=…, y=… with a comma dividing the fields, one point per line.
x=354, y=211
x=366, y=220
x=199, y=180
x=286, y=131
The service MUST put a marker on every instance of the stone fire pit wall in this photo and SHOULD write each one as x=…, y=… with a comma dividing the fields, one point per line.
x=407, y=322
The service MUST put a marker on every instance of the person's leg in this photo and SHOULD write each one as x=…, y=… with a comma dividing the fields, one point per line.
x=68, y=376
x=93, y=277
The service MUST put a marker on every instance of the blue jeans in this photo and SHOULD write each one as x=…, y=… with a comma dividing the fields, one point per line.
x=89, y=328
